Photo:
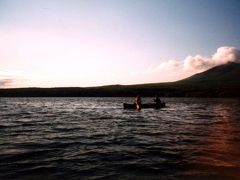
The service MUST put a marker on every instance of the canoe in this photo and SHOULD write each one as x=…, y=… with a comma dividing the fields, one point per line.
x=148, y=105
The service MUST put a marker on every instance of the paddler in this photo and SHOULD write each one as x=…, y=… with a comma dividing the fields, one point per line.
x=138, y=102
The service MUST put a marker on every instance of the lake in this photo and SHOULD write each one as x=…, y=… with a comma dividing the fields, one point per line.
x=95, y=138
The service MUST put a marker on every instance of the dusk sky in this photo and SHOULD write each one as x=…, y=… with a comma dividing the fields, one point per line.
x=52, y=43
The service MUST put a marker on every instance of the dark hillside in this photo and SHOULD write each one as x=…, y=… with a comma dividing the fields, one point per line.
x=226, y=72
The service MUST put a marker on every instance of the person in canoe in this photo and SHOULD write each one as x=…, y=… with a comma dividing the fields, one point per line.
x=138, y=102
x=157, y=100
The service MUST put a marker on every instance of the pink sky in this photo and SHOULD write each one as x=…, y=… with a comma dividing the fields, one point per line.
x=91, y=43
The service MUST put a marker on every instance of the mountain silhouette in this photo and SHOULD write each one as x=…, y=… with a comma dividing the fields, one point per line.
x=227, y=73
x=219, y=81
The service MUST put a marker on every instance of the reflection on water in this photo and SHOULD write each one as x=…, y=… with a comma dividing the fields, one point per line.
x=77, y=138
x=221, y=150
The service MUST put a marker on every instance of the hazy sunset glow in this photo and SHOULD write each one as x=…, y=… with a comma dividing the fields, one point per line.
x=52, y=43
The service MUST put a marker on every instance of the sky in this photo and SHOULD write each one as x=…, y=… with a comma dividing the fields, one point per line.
x=79, y=43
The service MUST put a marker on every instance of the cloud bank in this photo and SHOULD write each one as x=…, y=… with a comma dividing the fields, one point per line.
x=174, y=70
x=11, y=79
x=6, y=82
x=168, y=71
x=222, y=56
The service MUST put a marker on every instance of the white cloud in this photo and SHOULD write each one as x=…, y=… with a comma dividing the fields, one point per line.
x=226, y=54
x=223, y=55
x=169, y=65
x=197, y=63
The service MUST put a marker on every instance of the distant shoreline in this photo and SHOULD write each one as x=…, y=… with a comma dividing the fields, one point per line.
x=176, y=89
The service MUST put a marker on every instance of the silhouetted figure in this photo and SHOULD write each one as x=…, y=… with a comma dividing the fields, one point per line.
x=138, y=102
x=157, y=100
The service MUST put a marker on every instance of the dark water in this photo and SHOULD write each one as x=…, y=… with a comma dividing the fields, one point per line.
x=94, y=138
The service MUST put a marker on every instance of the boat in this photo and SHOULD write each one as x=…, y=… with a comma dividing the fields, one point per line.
x=148, y=105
